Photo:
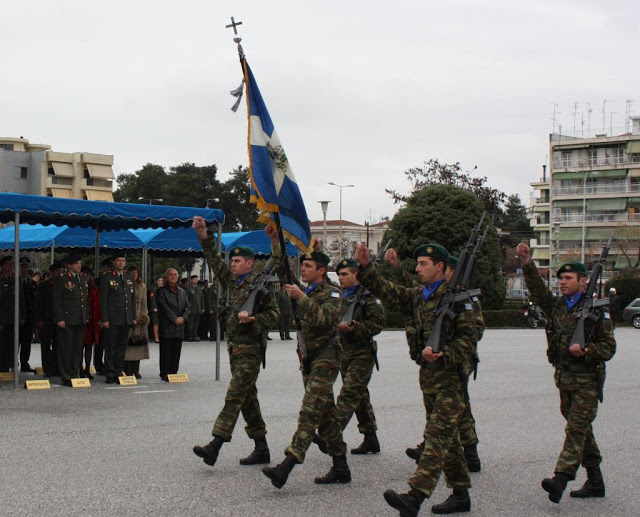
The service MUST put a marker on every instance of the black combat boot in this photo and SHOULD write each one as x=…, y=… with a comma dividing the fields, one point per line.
x=415, y=452
x=472, y=458
x=279, y=474
x=408, y=504
x=339, y=473
x=322, y=445
x=369, y=444
x=593, y=486
x=209, y=453
x=555, y=486
x=457, y=502
x=260, y=454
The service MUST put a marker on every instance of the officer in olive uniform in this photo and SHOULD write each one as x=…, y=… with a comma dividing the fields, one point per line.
x=579, y=374
x=320, y=307
x=196, y=308
x=117, y=313
x=29, y=288
x=46, y=321
x=211, y=305
x=7, y=290
x=71, y=313
x=359, y=355
x=284, y=303
x=246, y=342
x=443, y=388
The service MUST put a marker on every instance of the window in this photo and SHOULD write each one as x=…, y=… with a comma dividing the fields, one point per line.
x=567, y=160
x=50, y=171
x=6, y=147
x=23, y=172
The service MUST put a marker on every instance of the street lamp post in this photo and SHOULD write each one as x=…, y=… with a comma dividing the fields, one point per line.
x=325, y=238
x=159, y=200
x=213, y=200
x=340, y=233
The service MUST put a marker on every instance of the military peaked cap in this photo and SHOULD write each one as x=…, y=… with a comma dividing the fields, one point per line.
x=72, y=258
x=242, y=251
x=24, y=260
x=6, y=258
x=432, y=250
x=118, y=255
x=316, y=256
x=348, y=262
x=572, y=267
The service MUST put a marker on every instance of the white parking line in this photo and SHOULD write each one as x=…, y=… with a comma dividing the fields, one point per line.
x=125, y=387
x=155, y=391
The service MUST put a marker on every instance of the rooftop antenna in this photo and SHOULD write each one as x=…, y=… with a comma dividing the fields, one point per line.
x=575, y=112
x=627, y=115
x=604, y=105
x=554, y=116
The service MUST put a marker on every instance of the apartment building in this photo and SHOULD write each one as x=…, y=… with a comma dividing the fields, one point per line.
x=592, y=190
x=28, y=168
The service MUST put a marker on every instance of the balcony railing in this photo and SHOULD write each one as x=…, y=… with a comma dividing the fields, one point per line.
x=610, y=161
x=597, y=217
x=599, y=189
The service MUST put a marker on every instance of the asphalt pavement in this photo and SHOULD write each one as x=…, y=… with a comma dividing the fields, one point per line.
x=111, y=451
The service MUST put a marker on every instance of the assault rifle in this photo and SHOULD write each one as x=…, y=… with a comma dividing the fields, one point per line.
x=588, y=308
x=447, y=305
x=258, y=289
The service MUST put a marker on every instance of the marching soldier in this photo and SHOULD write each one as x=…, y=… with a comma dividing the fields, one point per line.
x=443, y=389
x=358, y=356
x=579, y=374
x=117, y=313
x=246, y=341
x=47, y=323
x=70, y=311
x=320, y=307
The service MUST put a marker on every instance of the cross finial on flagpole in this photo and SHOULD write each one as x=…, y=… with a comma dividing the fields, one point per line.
x=233, y=25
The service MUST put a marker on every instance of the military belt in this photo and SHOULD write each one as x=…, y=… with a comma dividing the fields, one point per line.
x=580, y=368
x=435, y=366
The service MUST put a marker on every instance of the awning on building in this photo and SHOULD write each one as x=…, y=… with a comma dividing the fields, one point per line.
x=541, y=254
x=570, y=234
x=598, y=234
x=607, y=204
x=623, y=262
x=63, y=169
x=62, y=192
x=634, y=200
x=609, y=173
x=633, y=147
x=104, y=172
x=567, y=175
x=634, y=173
x=568, y=203
x=98, y=195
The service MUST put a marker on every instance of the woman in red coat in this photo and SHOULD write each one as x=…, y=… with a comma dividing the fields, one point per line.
x=92, y=330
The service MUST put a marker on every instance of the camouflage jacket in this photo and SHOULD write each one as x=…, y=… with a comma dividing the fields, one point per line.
x=459, y=350
x=267, y=313
x=406, y=279
x=370, y=319
x=318, y=313
x=601, y=345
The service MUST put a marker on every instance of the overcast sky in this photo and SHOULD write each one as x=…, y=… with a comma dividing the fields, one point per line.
x=359, y=91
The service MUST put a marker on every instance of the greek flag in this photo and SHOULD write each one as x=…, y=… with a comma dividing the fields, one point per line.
x=273, y=185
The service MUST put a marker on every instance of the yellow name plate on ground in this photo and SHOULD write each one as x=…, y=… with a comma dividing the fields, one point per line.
x=37, y=385
x=6, y=376
x=126, y=380
x=39, y=370
x=178, y=377
x=80, y=383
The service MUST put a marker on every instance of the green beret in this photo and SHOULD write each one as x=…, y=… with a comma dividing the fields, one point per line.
x=242, y=251
x=453, y=261
x=316, y=256
x=435, y=251
x=346, y=263
x=572, y=267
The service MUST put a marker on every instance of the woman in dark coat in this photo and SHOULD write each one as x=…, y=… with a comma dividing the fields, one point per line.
x=92, y=329
x=173, y=311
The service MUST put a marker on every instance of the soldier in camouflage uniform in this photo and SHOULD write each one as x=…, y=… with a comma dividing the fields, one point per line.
x=245, y=342
x=442, y=374
x=320, y=307
x=358, y=356
x=579, y=374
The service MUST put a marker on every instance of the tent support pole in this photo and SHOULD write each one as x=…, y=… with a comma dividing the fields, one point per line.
x=96, y=263
x=218, y=305
x=16, y=301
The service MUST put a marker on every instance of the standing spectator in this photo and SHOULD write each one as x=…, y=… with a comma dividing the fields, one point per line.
x=29, y=288
x=98, y=349
x=92, y=330
x=211, y=307
x=284, y=302
x=46, y=323
x=173, y=311
x=70, y=310
x=7, y=290
x=117, y=312
x=153, y=307
x=196, y=308
x=614, y=305
x=203, y=329
x=141, y=351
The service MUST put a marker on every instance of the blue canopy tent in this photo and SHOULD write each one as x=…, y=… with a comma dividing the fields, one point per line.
x=100, y=215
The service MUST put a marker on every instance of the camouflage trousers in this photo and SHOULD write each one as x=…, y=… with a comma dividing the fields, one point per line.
x=579, y=407
x=318, y=411
x=442, y=451
x=242, y=394
x=356, y=370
